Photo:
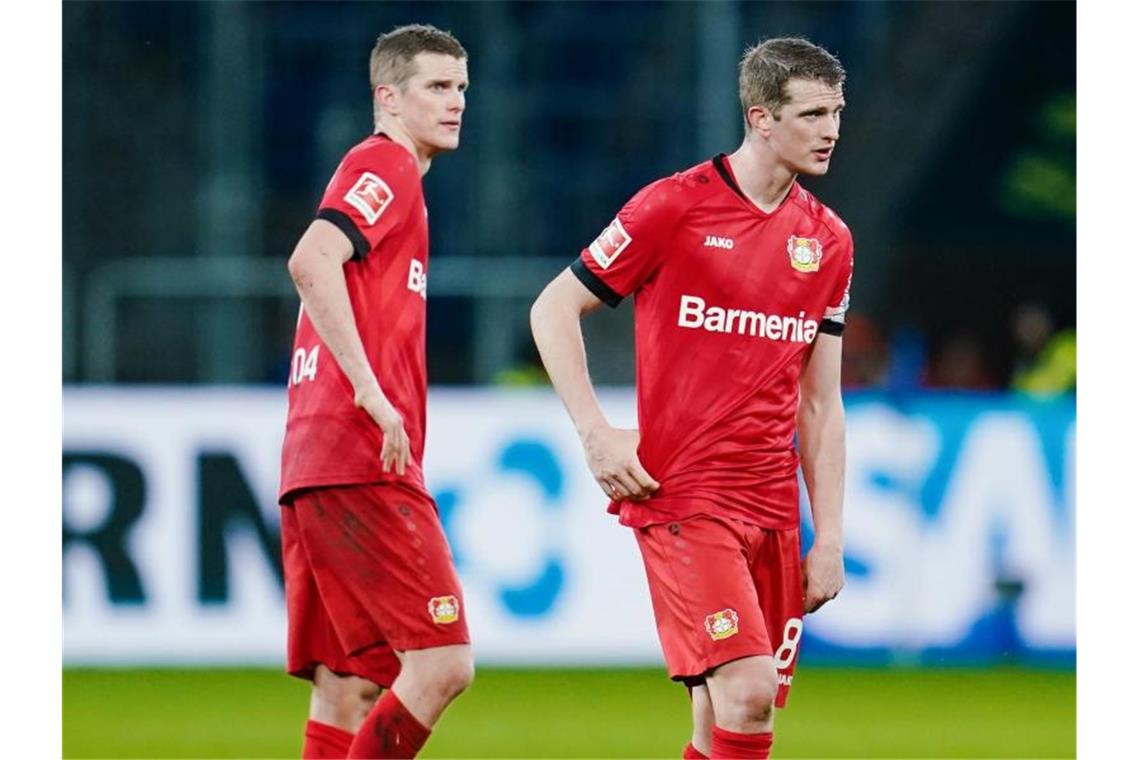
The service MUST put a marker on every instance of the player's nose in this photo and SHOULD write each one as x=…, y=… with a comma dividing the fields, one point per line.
x=831, y=128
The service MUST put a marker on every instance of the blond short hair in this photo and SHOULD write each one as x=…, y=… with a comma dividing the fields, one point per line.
x=766, y=68
x=393, y=57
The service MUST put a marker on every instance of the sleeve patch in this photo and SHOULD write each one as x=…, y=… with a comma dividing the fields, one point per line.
x=609, y=245
x=836, y=313
x=370, y=196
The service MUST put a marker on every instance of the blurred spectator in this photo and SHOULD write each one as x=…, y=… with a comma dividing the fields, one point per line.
x=908, y=358
x=960, y=364
x=1045, y=360
x=526, y=371
x=1031, y=327
x=866, y=358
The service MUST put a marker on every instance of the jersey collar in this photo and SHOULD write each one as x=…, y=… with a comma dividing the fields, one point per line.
x=724, y=169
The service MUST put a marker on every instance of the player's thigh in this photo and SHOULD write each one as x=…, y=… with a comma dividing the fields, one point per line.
x=704, y=598
x=314, y=635
x=381, y=552
x=295, y=561
x=311, y=638
x=777, y=570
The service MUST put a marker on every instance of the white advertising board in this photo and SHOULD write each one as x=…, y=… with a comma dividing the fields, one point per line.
x=959, y=527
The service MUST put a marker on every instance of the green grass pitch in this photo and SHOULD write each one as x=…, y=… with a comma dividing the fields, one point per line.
x=832, y=712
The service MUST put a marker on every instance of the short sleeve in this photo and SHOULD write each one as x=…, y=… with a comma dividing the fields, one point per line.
x=629, y=250
x=835, y=314
x=370, y=194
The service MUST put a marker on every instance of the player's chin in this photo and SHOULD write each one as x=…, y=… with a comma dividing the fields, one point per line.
x=447, y=142
x=816, y=167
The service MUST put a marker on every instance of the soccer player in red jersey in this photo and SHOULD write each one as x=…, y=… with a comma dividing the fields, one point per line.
x=740, y=280
x=371, y=589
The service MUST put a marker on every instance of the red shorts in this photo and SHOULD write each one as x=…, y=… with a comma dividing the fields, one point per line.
x=367, y=571
x=723, y=590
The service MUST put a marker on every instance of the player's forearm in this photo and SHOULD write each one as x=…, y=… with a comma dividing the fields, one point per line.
x=557, y=332
x=324, y=295
x=823, y=451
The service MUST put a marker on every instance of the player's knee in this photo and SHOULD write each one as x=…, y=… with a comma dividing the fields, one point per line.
x=445, y=672
x=758, y=697
x=456, y=674
x=752, y=698
x=752, y=706
x=342, y=700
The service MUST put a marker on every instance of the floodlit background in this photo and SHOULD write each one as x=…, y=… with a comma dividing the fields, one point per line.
x=197, y=139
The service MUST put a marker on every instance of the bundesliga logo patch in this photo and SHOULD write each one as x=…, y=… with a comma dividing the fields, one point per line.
x=723, y=624
x=609, y=244
x=370, y=196
x=805, y=253
x=444, y=609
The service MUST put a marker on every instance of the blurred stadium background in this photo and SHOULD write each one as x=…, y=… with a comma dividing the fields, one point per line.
x=196, y=140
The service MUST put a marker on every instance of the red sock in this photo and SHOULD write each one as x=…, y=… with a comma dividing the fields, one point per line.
x=389, y=731
x=323, y=741
x=692, y=753
x=729, y=745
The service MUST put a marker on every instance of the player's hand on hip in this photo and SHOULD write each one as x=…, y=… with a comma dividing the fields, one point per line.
x=611, y=454
x=823, y=576
x=397, y=448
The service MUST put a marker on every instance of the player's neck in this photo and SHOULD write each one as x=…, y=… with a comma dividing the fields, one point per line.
x=760, y=176
x=400, y=136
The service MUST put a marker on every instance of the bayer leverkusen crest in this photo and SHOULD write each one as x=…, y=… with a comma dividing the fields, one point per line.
x=723, y=624
x=444, y=609
x=805, y=253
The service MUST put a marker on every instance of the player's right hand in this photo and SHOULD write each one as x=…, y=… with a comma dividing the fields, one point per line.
x=397, y=448
x=611, y=454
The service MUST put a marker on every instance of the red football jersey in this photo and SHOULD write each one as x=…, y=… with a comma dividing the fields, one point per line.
x=727, y=302
x=376, y=199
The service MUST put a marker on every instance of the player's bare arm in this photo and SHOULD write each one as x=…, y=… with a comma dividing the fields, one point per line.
x=317, y=269
x=611, y=453
x=820, y=428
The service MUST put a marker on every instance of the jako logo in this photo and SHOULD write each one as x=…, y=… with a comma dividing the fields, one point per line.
x=712, y=241
x=694, y=314
x=417, y=278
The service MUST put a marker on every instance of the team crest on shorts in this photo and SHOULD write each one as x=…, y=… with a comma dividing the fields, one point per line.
x=805, y=253
x=723, y=624
x=444, y=609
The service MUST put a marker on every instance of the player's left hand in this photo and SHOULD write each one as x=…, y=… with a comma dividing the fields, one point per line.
x=823, y=576
x=611, y=454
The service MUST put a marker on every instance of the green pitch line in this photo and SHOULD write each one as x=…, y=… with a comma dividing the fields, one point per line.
x=998, y=713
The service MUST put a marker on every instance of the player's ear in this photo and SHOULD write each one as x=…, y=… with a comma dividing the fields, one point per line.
x=386, y=97
x=760, y=120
